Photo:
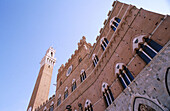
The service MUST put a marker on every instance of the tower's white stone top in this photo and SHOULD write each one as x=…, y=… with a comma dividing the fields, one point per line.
x=49, y=57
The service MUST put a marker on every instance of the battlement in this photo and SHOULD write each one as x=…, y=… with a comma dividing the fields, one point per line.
x=82, y=43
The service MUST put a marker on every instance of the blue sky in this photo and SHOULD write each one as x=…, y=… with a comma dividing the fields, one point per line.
x=28, y=28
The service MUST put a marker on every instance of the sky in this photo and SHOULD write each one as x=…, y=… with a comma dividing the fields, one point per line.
x=29, y=27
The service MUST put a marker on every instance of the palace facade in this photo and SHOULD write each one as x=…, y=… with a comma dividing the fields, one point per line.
x=127, y=69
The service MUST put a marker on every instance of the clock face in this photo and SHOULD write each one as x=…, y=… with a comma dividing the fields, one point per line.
x=69, y=70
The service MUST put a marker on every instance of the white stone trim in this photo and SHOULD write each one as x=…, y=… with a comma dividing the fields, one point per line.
x=104, y=86
x=51, y=103
x=87, y=103
x=137, y=40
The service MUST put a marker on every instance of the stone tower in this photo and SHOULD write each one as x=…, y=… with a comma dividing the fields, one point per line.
x=42, y=85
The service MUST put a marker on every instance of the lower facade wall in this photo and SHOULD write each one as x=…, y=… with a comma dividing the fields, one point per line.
x=150, y=89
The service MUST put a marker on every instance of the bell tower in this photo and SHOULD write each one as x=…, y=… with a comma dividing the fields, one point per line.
x=42, y=85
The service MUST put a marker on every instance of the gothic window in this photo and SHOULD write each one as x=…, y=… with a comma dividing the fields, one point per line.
x=82, y=75
x=61, y=82
x=124, y=75
x=104, y=42
x=95, y=59
x=80, y=107
x=146, y=48
x=107, y=94
x=45, y=108
x=80, y=59
x=114, y=23
x=73, y=85
x=66, y=93
x=69, y=70
x=59, y=100
x=51, y=106
x=88, y=106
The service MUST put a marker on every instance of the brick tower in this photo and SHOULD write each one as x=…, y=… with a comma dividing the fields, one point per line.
x=42, y=85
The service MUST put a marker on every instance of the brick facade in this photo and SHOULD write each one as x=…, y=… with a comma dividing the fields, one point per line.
x=100, y=62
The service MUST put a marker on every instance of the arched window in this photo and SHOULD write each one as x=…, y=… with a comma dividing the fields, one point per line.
x=80, y=107
x=51, y=106
x=107, y=94
x=124, y=75
x=61, y=82
x=79, y=59
x=73, y=85
x=82, y=75
x=114, y=22
x=59, y=100
x=145, y=48
x=104, y=42
x=95, y=59
x=66, y=93
x=45, y=108
x=88, y=106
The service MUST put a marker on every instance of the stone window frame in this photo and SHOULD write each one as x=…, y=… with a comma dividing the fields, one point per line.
x=45, y=108
x=114, y=23
x=123, y=74
x=51, y=106
x=74, y=86
x=88, y=105
x=146, y=48
x=82, y=75
x=107, y=94
x=95, y=59
x=104, y=42
x=66, y=93
x=69, y=70
x=59, y=100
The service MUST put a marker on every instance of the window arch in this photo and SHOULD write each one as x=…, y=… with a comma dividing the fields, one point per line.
x=73, y=85
x=146, y=48
x=66, y=93
x=95, y=59
x=107, y=94
x=82, y=75
x=51, y=106
x=45, y=108
x=88, y=105
x=124, y=75
x=104, y=42
x=59, y=100
x=69, y=70
x=114, y=22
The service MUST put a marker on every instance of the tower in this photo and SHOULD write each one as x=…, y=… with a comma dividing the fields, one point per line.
x=42, y=85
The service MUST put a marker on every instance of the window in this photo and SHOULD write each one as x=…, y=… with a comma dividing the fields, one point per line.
x=107, y=94
x=45, y=108
x=80, y=107
x=69, y=70
x=124, y=75
x=66, y=93
x=82, y=75
x=145, y=48
x=80, y=59
x=73, y=85
x=88, y=106
x=104, y=42
x=61, y=82
x=114, y=23
x=51, y=106
x=59, y=100
x=95, y=60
